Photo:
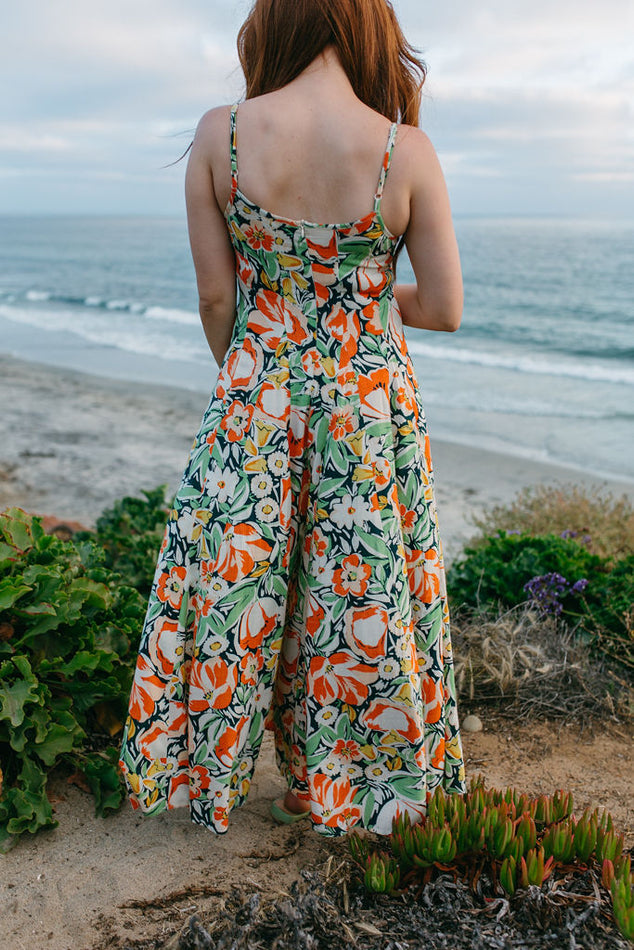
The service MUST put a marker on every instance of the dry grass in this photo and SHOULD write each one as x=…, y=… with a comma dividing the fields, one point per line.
x=546, y=509
x=531, y=665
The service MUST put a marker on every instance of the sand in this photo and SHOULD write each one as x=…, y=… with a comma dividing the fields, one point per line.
x=71, y=445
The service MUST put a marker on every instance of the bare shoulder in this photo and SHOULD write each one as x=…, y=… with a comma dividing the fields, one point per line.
x=212, y=126
x=415, y=145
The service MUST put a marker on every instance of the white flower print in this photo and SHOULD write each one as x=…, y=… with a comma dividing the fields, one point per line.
x=266, y=510
x=350, y=511
x=331, y=765
x=326, y=715
x=221, y=482
x=262, y=485
x=278, y=463
x=389, y=668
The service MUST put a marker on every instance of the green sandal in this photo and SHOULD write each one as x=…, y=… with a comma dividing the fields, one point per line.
x=284, y=816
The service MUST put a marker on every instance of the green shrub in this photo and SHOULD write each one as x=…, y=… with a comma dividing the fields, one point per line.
x=498, y=567
x=131, y=533
x=69, y=631
x=561, y=577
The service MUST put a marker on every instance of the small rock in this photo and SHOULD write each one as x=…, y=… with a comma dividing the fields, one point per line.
x=472, y=724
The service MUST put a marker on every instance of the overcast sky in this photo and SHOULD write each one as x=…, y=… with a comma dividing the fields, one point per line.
x=530, y=105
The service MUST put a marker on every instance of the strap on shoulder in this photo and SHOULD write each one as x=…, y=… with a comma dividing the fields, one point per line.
x=387, y=158
x=234, y=154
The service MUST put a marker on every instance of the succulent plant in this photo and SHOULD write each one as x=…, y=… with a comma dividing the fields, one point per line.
x=521, y=839
x=382, y=874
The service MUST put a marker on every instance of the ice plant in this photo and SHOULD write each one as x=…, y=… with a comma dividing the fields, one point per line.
x=382, y=874
x=622, y=891
x=532, y=867
x=521, y=840
x=585, y=835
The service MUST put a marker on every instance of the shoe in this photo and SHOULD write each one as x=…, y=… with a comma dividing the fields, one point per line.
x=283, y=816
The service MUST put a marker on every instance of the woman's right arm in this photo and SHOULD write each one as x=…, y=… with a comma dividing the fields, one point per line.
x=436, y=300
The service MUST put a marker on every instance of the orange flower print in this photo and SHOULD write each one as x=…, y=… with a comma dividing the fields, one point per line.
x=245, y=271
x=343, y=421
x=339, y=676
x=344, y=326
x=315, y=616
x=163, y=646
x=258, y=622
x=152, y=739
x=371, y=281
x=366, y=631
x=333, y=801
x=424, y=574
x=258, y=236
x=408, y=519
x=237, y=420
x=390, y=716
x=230, y=742
x=200, y=781
x=276, y=318
x=433, y=695
x=438, y=757
x=170, y=586
x=311, y=362
x=147, y=689
x=249, y=364
x=211, y=684
x=242, y=546
x=372, y=315
x=373, y=391
x=347, y=749
x=319, y=542
x=351, y=577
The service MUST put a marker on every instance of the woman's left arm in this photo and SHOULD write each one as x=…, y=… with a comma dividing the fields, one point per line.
x=212, y=251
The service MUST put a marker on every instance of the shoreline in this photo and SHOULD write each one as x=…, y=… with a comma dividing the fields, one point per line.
x=74, y=442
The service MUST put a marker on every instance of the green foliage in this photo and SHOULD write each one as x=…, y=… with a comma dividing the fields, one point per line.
x=496, y=570
x=131, y=533
x=69, y=629
x=519, y=841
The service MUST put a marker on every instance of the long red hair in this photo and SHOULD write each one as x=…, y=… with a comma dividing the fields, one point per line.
x=280, y=38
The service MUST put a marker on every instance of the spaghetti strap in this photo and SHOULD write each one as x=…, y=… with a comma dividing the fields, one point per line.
x=387, y=158
x=234, y=154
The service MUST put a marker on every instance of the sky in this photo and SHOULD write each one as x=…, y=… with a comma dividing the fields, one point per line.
x=529, y=103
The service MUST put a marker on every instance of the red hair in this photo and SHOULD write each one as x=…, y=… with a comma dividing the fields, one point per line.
x=280, y=38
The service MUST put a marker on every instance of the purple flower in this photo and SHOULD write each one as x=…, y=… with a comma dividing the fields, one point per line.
x=568, y=533
x=544, y=590
x=579, y=585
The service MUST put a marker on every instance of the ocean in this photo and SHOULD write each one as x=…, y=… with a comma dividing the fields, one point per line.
x=541, y=367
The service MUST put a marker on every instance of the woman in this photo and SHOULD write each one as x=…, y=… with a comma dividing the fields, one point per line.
x=300, y=586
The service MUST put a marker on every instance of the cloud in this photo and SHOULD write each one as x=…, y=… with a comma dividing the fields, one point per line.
x=528, y=104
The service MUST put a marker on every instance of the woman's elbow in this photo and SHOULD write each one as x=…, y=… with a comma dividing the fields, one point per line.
x=444, y=314
x=452, y=321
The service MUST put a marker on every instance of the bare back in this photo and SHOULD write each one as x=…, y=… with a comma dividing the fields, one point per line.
x=315, y=163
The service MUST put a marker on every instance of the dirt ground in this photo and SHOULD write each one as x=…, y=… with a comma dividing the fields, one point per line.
x=108, y=883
